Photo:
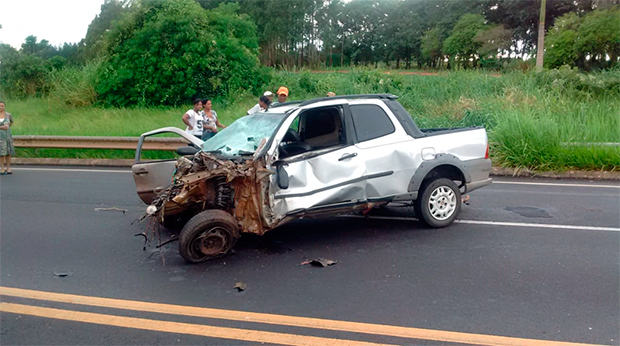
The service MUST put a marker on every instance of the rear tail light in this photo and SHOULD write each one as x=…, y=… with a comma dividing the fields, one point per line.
x=486, y=154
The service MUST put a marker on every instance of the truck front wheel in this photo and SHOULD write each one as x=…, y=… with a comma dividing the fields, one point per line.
x=209, y=234
x=439, y=203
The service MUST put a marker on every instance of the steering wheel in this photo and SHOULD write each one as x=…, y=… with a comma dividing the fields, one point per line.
x=291, y=136
x=292, y=145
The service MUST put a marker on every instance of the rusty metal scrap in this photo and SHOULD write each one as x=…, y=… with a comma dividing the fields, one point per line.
x=194, y=188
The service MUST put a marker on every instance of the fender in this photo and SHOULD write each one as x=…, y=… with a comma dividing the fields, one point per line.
x=439, y=160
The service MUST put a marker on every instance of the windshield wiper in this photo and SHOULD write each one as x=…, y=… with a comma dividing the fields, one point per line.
x=245, y=152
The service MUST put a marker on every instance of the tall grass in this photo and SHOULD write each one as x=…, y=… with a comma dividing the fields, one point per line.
x=74, y=86
x=530, y=117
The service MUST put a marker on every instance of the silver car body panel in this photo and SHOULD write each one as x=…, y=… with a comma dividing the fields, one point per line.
x=380, y=169
x=193, y=139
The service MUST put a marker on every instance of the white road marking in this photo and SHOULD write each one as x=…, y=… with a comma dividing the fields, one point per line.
x=494, y=223
x=556, y=184
x=538, y=225
x=73, y=170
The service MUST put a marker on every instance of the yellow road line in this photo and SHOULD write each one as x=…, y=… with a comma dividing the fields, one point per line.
x=354, y=327
x=179, y=328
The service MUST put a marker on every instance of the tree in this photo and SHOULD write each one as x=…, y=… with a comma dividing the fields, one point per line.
x=8, y=59
x=93, y=44
x=70, y=51
x=521, y=17
x=431, y=47
x=42, y=49
x=461, y=45
x=588, y=42
x=170, y=51
x=598, y=38
x=494, y=39
x=561, y=41
x=26, y=75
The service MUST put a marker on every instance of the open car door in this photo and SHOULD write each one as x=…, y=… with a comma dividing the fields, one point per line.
x=151, y=177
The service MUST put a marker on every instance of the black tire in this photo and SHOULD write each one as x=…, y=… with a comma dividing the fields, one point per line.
x=209, y=234
x=439, y=203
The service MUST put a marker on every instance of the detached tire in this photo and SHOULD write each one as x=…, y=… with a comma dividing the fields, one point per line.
x=439, y=204
x=209, y=234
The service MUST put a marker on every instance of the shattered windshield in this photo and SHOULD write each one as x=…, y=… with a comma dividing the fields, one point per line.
x=244, y=135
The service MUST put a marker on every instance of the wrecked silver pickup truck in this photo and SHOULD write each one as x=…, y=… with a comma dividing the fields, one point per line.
x=314, y=158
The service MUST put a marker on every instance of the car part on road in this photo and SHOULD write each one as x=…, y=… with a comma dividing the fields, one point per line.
x=439, y=204
x=111, y=209
x=240, y=286
x=209, y=234
x=319, y=262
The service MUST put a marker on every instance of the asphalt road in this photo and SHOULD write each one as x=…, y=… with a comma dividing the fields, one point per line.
x=530, y=261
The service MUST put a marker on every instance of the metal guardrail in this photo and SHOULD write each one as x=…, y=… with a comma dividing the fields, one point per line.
x=151, y=143
x=83, y=142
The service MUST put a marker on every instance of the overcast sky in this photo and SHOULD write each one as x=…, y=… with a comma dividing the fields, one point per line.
x=57, y=21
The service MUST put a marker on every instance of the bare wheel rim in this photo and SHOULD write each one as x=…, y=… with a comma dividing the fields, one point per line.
x=210, y=243
x=442, y=203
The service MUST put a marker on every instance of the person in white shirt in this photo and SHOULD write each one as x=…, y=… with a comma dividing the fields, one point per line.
x=258, y=107
x=193, y=119
x=263, y=105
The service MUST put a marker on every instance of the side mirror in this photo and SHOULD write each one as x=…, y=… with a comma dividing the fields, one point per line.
x=187, y=151
x=281, y=177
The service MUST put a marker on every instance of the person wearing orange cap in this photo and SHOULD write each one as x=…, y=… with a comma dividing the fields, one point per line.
x=282, y=95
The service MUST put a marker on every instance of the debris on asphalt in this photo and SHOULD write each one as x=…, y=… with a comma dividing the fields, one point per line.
x=146, y=239
x=319, y=262
x=240, y=286
x=61, y=274
x=168, y=241
x=111, y=209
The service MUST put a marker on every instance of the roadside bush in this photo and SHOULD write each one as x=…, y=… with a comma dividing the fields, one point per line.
x=167, y=52
x=569, y=81
x=74, y=86
x=307, y=82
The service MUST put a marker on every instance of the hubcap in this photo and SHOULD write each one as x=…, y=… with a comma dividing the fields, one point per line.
x=211, y=242
x=442, y=203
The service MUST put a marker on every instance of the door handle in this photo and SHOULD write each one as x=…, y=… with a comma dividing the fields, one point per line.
x=347, y=156
x=142, y=171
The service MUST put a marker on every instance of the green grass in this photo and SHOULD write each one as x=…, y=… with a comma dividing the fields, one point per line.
x=43, y=117
x=528, y=116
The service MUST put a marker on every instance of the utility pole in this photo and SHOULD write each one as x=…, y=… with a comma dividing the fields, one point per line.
x=540, y=48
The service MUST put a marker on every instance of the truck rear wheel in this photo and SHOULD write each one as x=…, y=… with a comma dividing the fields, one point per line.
x=439, y=204
x=209, y=234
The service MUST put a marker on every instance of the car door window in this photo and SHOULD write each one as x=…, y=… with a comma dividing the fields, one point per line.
x=370, y=122
x=314, y=130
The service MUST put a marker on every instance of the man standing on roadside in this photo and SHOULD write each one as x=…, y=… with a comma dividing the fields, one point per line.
x=282, y=95
x=193, y=119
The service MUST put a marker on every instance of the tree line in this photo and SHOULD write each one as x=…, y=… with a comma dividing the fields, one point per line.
x=415, y=33
x=163, y=51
